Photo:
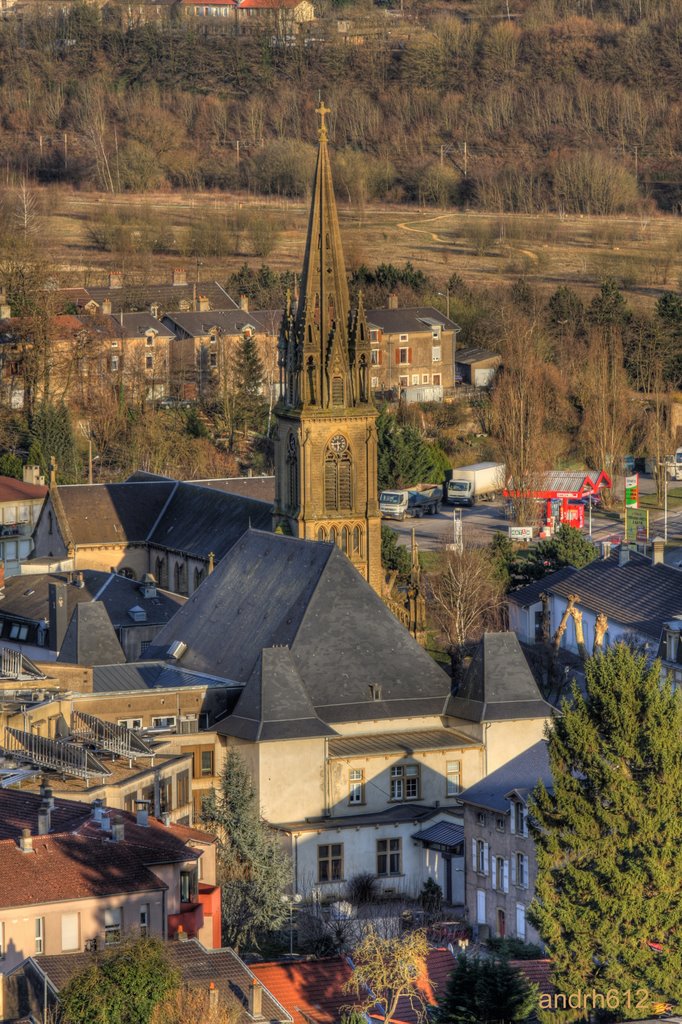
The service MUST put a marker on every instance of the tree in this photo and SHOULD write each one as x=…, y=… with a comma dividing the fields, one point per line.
x=253, y=870
x=466, y=596
x=185, y=1005
x=608, y=834
x=568, y=546
x=393, y=555
x=52, y=435
x=386, y=971
x=482, y=991
x=11, y=465
x=121, y=987
x=249, y=375
x=404, y=457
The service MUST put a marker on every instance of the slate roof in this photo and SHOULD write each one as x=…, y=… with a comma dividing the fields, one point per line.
x=17, y=490
x=111, y=513
x=148, y=676
x=90, y=638
x=639, y=596
x=167, y=296
x=409, y=318
x=229, y=321
x=261, y=488
x=499, y=685
x=469, y=356
x=444, y=833
x=391, y=816
x=136, y=325
x=378, y=744
x=200, y=519
x=272, y=591
x=530, y=594
x=520, y=775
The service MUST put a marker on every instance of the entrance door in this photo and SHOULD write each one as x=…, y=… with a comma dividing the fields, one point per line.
x=501, y=924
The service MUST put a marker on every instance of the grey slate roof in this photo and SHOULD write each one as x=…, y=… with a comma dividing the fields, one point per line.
x=150, y=676
x=520, y=775
x=377, y=744
x=499, y=685
x=530, y=594
x=638, y=595
x=270, y=591
x=136, y=325
x=261, y=488
x=391, y=816
x=470, y=356
x=443, y=833
x=409, y=318
x=200, y=519
x=90, y=638
x=112, y=513
x=229, y=321
x=167, y=296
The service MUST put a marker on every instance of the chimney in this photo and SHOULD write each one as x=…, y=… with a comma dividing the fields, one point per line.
x=154, y=310
x=203, y=304
x=78, y=580
x=213, y=996
x=658, y=553
x=244, y=302
x=5, y=310
x=117, y=832
x=255, y=999
x=106, y=307
x=393, y=301
x=43, y=819
x=97, y=810
x=179, y=276
x=59, y=615
x=25, y=842
x=115, y=279
x=32, y=475
x=624, y=554
x=606, y=549
x=142, y=813
x=52, y=468
x=182, y=934
x=105, y=822
x=48, y=798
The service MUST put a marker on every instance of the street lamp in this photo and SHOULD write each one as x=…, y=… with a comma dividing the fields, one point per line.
x=290, y=900
x=446, y=295
x=665, y=464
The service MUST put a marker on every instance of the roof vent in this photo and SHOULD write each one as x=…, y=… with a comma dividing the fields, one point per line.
x=375, y=691
x=97, y=810
x=142, y=813
x=137, y=614
x=43, y=820
x=177, y=649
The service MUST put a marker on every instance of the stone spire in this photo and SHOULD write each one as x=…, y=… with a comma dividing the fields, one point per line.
x=324, y=346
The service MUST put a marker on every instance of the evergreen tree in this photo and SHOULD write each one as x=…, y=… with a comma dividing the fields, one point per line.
x=11, y=465
x=253, y=870
x=568, y=546
x=248, y=381
x=609, y=308
x=608, y=836
x=485, y=991
x=393, y=554
x=52, y=435
x=404, y=457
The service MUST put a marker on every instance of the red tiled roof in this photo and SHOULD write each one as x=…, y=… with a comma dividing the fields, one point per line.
x=154, y=843
x=308, y=990
x=15, y=490
x=538, y=973
x=19, y=810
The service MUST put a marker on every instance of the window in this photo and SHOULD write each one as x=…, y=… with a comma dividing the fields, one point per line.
x=403, y=355
x=40, y=935
x=453, y=778
x=481, y=857
x=405, y=782
x=183, y=789
x=17, y=631
x=404, y=337
x=498, y=874
x=415, y=379
x=519, y=819
x=114, y=343
x=70, y=933
x=375, y=382
x=373, y=334
x=374, y=357
x=499, y=824
x=207, y=762
x=389, y=856
x=167, y=722
x=150, y=339
x=521, y=870
x=436, y=353
x=114, y=364
x=356, y=791
x=165, y=796
x=144, y=920
x=330, y=862
x=213, y=359
x=436, y=379
x=149, y=362
x=189, y=885
x=435, y=333
x=131, y=723
x=480, y=906
x=425, y=378
x=403, y=381
x=338, y=484
x=521, y=921
x=112, y=926
x=480, y=819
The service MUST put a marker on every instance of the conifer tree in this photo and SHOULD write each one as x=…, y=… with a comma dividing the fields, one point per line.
x=480, y=991
x=248, y=380
x=608, y=836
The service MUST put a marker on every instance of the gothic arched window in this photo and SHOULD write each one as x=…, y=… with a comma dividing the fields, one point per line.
x=161, y=572
x=338, y=489
x=292, y=466
x=357, y=541
x=345, y=536
x=338, y=396
x=199, y=575
x=180, y=578
x=322, y=533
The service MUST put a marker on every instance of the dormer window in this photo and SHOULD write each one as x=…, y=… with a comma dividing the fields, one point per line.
x=375, y=691
x=150, y=339
x=519, y=812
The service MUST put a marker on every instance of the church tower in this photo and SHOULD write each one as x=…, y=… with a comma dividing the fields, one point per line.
x=326, y=439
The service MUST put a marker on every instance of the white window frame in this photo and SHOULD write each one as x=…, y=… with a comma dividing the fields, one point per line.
x=436, y=353
x=404, y=339
x=144, y=920
x=404, y=349
x=40, y=936
x=481, y=856
x=425, y=378
x=415, y=380
x=356, y=786
x=453, y=778
x=113, y=926
x=131, y=723
x=375, y=382
x=114, y=364
x=405, y=782
x=404, y=381
x=170, y=720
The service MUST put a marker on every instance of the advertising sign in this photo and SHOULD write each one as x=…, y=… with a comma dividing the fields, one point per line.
x=636, y=525
x=521, y=533
x=632, y=491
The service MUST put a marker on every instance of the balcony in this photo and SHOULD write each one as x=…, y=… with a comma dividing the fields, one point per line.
x=190, y=920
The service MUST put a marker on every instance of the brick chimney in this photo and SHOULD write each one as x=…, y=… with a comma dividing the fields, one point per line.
x=393, y=301
x=32, y=475
x=179, y=276
x=115, y=279
x=244, y=302
x=203, y=304
x=255, y=999
x=43, y=819
x=106, y=307
x=25, y=841
x=213, y=996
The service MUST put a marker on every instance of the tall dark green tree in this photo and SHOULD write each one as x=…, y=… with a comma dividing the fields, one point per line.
x=404, y=457
x=248, y=381
x=568, y=546
x=485, y=991
x=51, y=435
x=608, y=836
x=253, y=870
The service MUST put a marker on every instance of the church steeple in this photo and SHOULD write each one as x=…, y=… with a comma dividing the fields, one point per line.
x=326, y=440
x=324, y=346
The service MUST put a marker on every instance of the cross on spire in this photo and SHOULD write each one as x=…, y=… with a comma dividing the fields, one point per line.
x=322, y=111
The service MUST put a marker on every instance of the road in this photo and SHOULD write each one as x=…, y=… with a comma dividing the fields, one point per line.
x=482, y=521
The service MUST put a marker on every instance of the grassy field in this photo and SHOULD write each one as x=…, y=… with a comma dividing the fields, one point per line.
x=644, y=254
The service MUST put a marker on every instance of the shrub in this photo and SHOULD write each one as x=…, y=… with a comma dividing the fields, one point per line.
x=362, y=888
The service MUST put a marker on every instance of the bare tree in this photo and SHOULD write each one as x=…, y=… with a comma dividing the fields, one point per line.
x=466, y=597
x=386, y=971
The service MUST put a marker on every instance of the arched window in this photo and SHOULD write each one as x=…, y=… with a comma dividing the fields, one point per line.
x=332, y=535
x=161, y=573
x=292, y=465
x=337, y=391
x=357, y=541
x=180, y=578
x=322, y=533
x=199, y=575
x=338, y=488
x=345, y=536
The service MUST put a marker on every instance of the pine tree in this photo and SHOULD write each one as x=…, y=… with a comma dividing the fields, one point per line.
x=248, y=380
x=253, y=870
x=608, y=836
x=481, y=991
x=52, y=435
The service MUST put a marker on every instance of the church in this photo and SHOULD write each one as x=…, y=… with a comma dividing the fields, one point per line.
x=357, y=747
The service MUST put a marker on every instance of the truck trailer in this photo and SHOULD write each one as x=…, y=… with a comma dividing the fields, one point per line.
x=469, y=484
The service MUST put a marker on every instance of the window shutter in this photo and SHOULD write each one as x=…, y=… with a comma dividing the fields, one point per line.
x=512, y=817
x=525, y=821
x=380, y=357
x=473, y=854
x=485, y=858
x=409, y=355
x=505, y=876
x=513, y=867
x=525, y=870
x=494, y=873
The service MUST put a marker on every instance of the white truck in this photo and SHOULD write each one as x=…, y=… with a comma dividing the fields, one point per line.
x=469, y=484
x=675, y=466
x=413, y=502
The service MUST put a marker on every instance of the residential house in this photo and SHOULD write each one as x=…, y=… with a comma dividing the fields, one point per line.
x=126, y=295
x=217, y=973
x=477, y=366
x=37, y=626
x=139, y=358
x=283, y=17
x=640, y=597
x=20, y=505
x=501, y=863
x=74, y=877
x=411, y=347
